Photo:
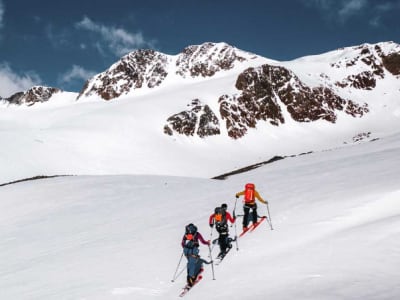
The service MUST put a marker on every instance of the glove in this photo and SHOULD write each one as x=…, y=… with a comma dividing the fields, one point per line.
x=211, y=225
x=237, y=197
x=208, y=243
x=234, y=215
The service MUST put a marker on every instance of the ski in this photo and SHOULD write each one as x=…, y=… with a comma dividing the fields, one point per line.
x=187, y=287
x=258, y=223
x=252, y=227
x=245, y=231
x=219, y=259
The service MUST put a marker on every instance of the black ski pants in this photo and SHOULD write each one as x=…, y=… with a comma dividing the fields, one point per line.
x=246, y=217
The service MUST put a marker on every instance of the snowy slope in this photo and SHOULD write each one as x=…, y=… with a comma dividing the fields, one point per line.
x=91, y=136
x=336, y=219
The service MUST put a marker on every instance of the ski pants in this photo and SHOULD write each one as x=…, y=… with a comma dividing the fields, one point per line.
x=194, y=262
x=246, y=209
x=223, y=241
x=193, y=266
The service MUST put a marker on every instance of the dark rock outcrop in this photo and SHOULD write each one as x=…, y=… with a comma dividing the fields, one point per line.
x=36, y=94
x=266, y=88
x=199, y=119
x=207, y=59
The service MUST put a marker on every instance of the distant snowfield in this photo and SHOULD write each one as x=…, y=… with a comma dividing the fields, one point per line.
x=335, y=214
x=93, y=137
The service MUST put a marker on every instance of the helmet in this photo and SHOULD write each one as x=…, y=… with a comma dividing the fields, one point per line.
x=191, y=228
x=224, y=206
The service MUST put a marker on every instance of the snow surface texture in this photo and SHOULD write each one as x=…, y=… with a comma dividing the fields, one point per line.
x=336, y=219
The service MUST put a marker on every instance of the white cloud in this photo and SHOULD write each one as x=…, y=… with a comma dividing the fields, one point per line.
x=57, y=38
x=76, y=72
x=10, y=82
x=351, y=7
x=117, y=40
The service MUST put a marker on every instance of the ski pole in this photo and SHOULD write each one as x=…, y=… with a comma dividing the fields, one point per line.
x=212, y=262
x=269, y=217
x=177, y=267
x=211, y=240
x=234, y=214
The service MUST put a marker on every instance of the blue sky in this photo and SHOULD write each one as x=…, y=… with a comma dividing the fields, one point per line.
x=63, y=43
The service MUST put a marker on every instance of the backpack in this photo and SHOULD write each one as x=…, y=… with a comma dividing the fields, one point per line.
x=249, y=192
x=220, y=219
x=190, y=233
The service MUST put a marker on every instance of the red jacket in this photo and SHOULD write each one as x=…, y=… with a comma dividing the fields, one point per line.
x=228, y=217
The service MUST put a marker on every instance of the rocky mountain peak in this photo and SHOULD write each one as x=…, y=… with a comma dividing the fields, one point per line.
x=148, y=68
x=207, y=59
x=369, y=62
x=33, y=95
x=138, y=69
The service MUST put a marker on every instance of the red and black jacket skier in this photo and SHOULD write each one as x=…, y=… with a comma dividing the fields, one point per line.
x=220, y=219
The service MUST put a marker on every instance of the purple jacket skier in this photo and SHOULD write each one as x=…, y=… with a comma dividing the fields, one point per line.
x=190, y=245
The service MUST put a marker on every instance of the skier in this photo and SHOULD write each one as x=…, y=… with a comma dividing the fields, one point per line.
x=220, y=219
x=250, y=194
x=190, y=245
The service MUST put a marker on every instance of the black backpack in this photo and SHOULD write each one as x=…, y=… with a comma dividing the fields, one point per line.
x=220, y=219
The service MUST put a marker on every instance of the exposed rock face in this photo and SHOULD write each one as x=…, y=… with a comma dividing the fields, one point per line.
x=33, y=95
x=364, y=80
x=207, y=59
x=264, y=89
x=376, y=62
x=392, y=63
x=198, y=119
x=148, y=68
x=135, y=70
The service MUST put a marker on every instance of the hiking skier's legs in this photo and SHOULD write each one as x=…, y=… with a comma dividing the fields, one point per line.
x=254, y=213
x=246, y=210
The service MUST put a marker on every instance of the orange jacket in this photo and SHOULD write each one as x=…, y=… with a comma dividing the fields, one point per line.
x=252, y=200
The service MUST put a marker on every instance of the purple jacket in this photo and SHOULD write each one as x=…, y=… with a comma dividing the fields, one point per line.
x=197, y=236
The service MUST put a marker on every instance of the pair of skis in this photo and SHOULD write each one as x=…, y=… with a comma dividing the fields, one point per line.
x=220, y=258
x=253, y=226
x=188, y=287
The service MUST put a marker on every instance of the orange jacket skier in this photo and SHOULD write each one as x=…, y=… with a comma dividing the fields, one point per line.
x=250, y=195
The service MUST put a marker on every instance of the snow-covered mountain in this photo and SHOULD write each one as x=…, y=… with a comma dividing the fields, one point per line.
x=209, y=98
x=319, y=136
x=262, y=88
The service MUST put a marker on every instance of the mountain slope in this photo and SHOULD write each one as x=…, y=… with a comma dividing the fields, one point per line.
x=335, y=214
x=209, y=99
